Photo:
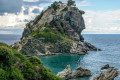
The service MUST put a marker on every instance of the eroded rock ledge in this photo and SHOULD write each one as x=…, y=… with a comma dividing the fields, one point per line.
x=79, y=72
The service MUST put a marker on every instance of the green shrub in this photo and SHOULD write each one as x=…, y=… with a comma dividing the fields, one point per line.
x=46, y=25
x=11, y=73
x=28, y=70
x=70, y=2
x=34, y=60
x=6, y=56
x=49, y=76
x=65, y=9
x=55, y=6
x=48, y=34
x=15, y=66
x=66, y=39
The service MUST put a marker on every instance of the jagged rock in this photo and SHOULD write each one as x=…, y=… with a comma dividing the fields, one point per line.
x=79, y=72
x=110, y=74
x=56, y=30
x=65, y=72
x=105, y=67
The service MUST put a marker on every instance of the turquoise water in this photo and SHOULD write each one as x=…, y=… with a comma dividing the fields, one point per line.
x=59, y=62
x=110, y=54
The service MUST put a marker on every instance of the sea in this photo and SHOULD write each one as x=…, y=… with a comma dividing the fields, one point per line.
x=94, y=60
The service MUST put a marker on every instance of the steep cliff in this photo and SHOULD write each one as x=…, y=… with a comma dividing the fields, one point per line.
x=56, y=30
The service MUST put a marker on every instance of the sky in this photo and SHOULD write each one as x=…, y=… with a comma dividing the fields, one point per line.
x=101, y=16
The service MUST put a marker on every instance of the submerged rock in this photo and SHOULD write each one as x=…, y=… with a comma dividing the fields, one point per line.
x=79, y=72
x=109, y=74
x=56, y=30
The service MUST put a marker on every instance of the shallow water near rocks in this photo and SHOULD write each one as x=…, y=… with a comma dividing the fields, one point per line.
x=110, y=54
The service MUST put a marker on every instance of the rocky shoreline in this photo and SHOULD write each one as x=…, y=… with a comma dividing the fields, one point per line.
x=109, y=74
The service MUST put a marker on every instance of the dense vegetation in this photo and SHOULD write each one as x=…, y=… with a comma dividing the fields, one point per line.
x=71, y=3
x=49, y=35
x=15, y=66
x=54, y=6
x=65, y=9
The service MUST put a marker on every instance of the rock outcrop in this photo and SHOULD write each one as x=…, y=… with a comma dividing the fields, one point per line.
x=109, y=74
x=107, y=66
x=79, y=72
x=65, y=72
x=56, y=30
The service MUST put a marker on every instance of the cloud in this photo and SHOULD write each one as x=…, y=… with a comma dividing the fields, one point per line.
x=82, y=3
x=36, y=10
x=17, y=21
x=73, y=0
x=15, y=14
x=102, y=21
x=10, y=6
x=31, y=0
x=36, y=2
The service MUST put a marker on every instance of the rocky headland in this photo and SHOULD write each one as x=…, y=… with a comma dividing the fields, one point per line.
x=56, y=30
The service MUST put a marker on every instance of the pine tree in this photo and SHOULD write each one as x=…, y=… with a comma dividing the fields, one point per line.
x=70, y=2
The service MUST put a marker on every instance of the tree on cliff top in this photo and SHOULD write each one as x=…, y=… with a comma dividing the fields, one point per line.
x=71, y=3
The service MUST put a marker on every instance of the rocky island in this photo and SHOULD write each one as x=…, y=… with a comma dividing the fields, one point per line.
x=56, y=30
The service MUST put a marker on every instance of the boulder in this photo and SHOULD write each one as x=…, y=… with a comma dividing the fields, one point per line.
x=65, y=72
x=109, y=74
x=105, y=67
x=79, y=72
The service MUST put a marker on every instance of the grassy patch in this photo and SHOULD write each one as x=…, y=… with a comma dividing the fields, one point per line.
x=48, y=34
x=66, y=39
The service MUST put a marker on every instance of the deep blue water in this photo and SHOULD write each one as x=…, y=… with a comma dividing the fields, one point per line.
x=110, y=54
x=9, y=39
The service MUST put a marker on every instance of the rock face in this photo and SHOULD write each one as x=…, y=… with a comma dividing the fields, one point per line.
x=109, y=74
x=56, y=30
x=79, y=72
